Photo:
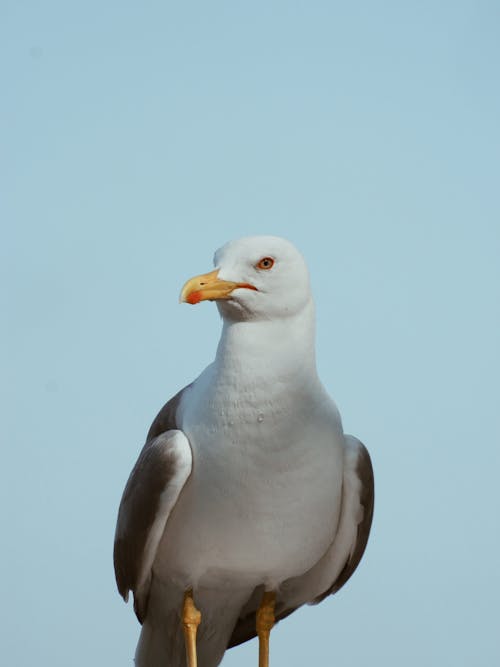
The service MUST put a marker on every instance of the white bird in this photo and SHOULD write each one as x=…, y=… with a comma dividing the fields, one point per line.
x=247, y=500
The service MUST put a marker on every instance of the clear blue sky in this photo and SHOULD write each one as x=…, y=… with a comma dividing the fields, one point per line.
x=136, y=138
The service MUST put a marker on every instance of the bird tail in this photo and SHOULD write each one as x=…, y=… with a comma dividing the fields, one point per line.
x=156, y=649
x=161, y=643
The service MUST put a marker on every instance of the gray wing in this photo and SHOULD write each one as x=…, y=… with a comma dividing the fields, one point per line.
x=358, y=465
x=153, y=487
x=341, y=559
x=166, y=419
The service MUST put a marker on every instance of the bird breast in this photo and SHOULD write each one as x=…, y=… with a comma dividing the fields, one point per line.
x=263, y=500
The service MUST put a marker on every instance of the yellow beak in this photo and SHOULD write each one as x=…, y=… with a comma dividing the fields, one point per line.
x=208, y=287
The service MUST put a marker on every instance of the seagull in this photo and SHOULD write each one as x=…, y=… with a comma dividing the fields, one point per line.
x=247, y=500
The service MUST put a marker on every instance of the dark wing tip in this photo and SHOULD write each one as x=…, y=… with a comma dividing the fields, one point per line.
x=120, y=574
x=140, y=606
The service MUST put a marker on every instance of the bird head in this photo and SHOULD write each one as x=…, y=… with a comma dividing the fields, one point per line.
x=256, y=277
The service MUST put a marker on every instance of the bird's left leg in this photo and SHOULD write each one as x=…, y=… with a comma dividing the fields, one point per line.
x=191, y=618
x=264, y=624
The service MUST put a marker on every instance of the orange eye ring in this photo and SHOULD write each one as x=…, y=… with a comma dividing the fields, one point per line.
x=265, y=263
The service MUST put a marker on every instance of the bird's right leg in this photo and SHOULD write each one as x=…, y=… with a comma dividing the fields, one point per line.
x=191, y=618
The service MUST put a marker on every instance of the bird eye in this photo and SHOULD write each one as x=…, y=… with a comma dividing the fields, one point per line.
x=266, y=263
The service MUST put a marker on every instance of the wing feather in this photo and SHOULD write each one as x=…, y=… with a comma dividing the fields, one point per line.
x=152, y=490
x=359, y=468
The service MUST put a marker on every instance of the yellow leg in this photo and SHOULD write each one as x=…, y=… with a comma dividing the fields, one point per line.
x=191, y=619
x=264, y=624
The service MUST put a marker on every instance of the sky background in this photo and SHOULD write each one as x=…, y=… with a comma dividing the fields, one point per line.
x=136, y=138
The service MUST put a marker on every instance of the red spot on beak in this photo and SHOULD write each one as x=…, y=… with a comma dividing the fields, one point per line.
x=194, y=297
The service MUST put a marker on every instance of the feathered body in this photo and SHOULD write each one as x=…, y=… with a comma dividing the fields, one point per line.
x=265, y=492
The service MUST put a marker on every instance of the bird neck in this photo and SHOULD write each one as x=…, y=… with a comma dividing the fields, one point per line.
x=283, y=348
